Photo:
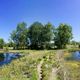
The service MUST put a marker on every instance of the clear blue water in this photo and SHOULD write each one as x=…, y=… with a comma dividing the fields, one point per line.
x=6, y=58
x=74, y=56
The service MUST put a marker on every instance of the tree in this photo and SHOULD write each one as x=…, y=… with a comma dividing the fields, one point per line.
x=40, y=35
x=63, y=35
x=19, y=36
x=1, y=43
x=34, y=33
x=10, y=43
x=74, y=43
x=47, y=35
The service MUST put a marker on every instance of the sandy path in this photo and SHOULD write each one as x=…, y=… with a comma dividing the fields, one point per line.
x=39, y=69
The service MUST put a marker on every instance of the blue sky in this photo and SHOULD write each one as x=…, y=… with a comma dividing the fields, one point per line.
x=55, y=11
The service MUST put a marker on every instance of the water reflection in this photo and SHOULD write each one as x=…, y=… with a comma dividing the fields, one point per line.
x=74, y=56
x=6, y=58
x=1, y=57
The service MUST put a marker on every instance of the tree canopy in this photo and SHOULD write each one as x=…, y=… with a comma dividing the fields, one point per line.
x=1, y=43
x=35, y=32
x=63, y=35
x=39, y=36
x=19, y=36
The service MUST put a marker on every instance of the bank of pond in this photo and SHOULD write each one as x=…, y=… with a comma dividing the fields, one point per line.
x=6, y=58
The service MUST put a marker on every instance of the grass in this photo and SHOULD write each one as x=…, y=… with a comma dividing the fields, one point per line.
x=24, y=68
x=74, y=70
x=49, y=61
x=73, y=66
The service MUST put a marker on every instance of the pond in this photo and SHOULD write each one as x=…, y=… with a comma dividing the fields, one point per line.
x=6, y=58
x=74, y=56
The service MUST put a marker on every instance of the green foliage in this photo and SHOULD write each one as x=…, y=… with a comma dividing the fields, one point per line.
x=19, y=36
x=6, y=49
x=63, y=35
x=35, y=31
x=1, y=43
x=40, y=35
x=74, y=43
x=10, y=43
x=47, y=35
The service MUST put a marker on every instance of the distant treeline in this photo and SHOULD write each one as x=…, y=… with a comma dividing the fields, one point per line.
x=39, y=36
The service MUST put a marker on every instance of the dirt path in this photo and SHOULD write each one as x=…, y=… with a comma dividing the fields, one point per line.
x=61, y=61
x=53, y=74
x=39, y=69
x=55, y=70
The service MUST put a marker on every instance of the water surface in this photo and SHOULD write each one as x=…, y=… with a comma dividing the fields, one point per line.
x=6, y=58
x=74, y=56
